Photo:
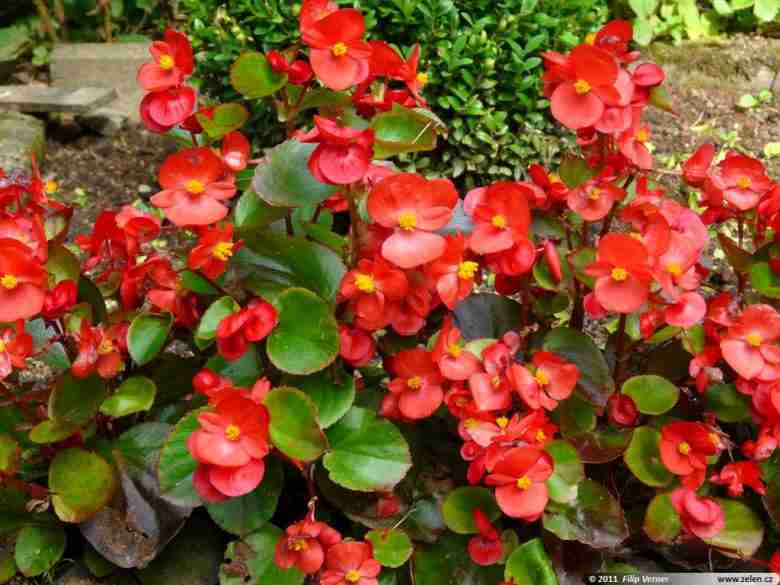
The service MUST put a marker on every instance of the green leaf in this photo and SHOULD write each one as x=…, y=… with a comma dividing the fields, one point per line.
x=75, y=401
x=294, y=429
x=332, y=397
x=273, y=263
x=662, y=524
x=176, y=465
x=746, y=102
x=766, y=10
x=652, y=394
x=306, y=340
x=324, y=98
x=577, y=416
x=367, y=453
x=82, y=483
x=245, y=514
x=90, y=294
x=391, y=547
x=225, y=119
x=595, y=378
x=574, y=170
x=147, y=335
x=251, y=561
x=459, y=506
x=529, y=563
x=744, y=530
x=62, y=264
x=404, y=130
x=243, y=372
x=52, y=431
x=727, y=404
x=7, y=566
x=197, y=283
x=38, y=548
x=283, y=178
x=595, y=518
x=136, y=394
x=601, y=445
x=253, y=77
x=447, y=562
x=643, y=8
x=9, y=455
x=252, y=213
x=568, y=471
x=482, y=316
x=643, y=458
x=739, y=259
x=218, y=310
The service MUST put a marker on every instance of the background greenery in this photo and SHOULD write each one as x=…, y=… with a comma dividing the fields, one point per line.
x=482, y=58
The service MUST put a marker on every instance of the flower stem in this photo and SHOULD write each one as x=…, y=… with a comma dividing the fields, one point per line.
x=620, y=350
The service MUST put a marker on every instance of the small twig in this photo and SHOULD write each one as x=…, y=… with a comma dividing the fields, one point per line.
x=289, y=224
x=46, y=22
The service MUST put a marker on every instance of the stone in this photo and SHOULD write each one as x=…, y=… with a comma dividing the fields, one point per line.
x=42, y=98
x=110, y=65
x=108, y=121
x=21, y=135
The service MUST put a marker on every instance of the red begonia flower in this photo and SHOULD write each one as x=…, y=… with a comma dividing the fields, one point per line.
x=356, y=346
x=622, y=410
x=453, y=272
x=702, y=517
x=343, y=155
x=303, y=545
x=688, y=310
x=373, y=287
x=162, y=110
x=685, y=447
x=501, y=216
x=749, y=346
x=491, y=389
x=486, y=548
x=251, y=324
x=312, y=11
x=29, y=230
x=213, y=251
x=740, y=474
x=60, y=300
x=696, y=168
x=621, y=273
x=615, y=37
x=408, y=73
x=742, y=180
x=172, y=63
x=632, y=142
x=588, y=84
x=417, y=383
x=101, y=349
x=519, y=478
x=195, y=185
x=455, y=362
x=139, y=227
x=298, y=72
x=552, y=380
x=23, y=282
x=415, y=208
x=235, y=151
x=15, y=346
x=339, y=56
x=594, y=199
x=350, y=563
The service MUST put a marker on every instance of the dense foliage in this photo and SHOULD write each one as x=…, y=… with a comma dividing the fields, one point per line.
x=363, y=377
x=481, y=57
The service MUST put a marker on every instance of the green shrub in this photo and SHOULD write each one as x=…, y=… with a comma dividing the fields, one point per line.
x=482, y=58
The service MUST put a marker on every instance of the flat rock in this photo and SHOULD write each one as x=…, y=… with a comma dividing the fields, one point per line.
x=21, y=136
x=115, y=65
x=42, y=98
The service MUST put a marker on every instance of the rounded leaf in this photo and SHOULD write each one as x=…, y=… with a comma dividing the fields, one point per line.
x=652, y=394
x=135, y=394
x=529, y=563
x=252, y=76
x=727, y=404
x=81, y=482
x=147, y=335
x=367, y=453
x=333, y=397
x=391, y=547
x=743, y=532
x=224, y=119
x=294, y=428
x=404, y=130
x=176, y=465
x=62, y=264
x=662, y=524
x=306, y=340
x=643, y=458
x=38, y=548
x=243, y=372
x=459, y=505
x=218, y=310
x=9, y=454
x=568, y=471
x=75, y=401
x=52, y=431
x=256, y=553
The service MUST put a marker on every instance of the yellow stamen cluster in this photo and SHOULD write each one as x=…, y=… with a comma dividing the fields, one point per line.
x=232, y=433
x=195, y=187
x=339, y=50
x=582, y=87
x=744, y=182
x=595, y=194
x=684, y=448
x=415, y=383
x=541, y=378
x=407, y=220
x=619, y=274
x=754, y=339
x=422, y=78
x=223, y=251
x=352, y=576
x=166, y=62
x=467, y=270
x=51, y=187
x=454, y=350
x=9, y=281
x=105, y=347
x=642, y=135
x=502, y=422
x=524, y=483
x=674, y=269
x=365, y=283
x=499, y=221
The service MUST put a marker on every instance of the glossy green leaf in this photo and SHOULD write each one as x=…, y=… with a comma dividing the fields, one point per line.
x=197, y=283
x=333, y=393
x=575, y=170
x=403, y=130
x=7, y=566
x=306, y=340
x=62, y=264
x=529, y=563
x=251, y=561
x=367, y=453
x=52, y=431
x=76, y=401
x=82, y=483
x=243, y=372
x=727, y=404
x=218, y=310
x=662, y=524
x=38, y=548
x=652, y=394
x=252, y=213
x=595, y=377
x=245, y=514
x=743, y=532
x=294, y=428
x=568, y=471
x=391, y=547
x=643, y=458
x=136, y=394
x=9, y=455
x=283, y=178
x=225, y=118
x=447, y=562
x=459, y=506
x=481, y=316
x=601, y=445
x=252, y=76
x=176, y=465
x=764, y=280
x=147, y=336
x=577, y=416
x=90, y=294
